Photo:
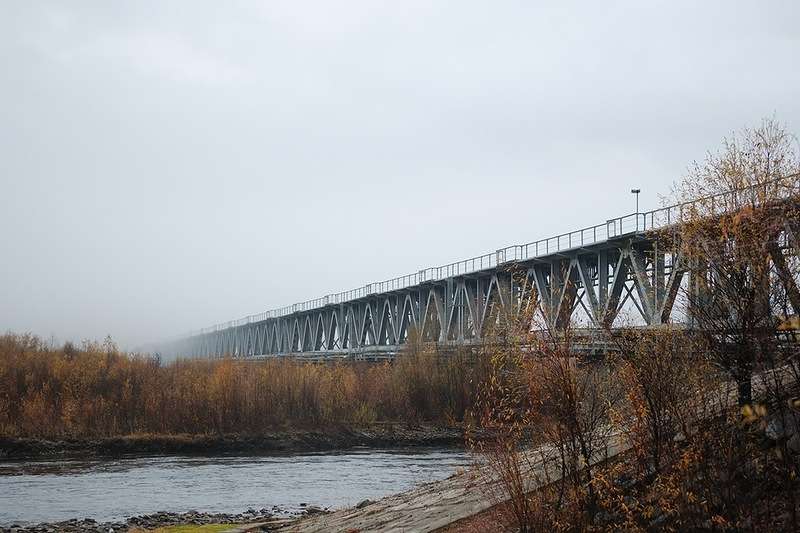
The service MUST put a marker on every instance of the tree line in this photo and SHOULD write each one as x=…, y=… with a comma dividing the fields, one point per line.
x=96, y=390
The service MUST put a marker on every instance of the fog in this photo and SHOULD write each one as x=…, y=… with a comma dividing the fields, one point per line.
x=165, y=166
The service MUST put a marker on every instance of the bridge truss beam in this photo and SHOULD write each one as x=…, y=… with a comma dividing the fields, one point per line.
x=596, y=282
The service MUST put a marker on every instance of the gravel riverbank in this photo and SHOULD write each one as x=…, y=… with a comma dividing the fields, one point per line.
x=274, y=516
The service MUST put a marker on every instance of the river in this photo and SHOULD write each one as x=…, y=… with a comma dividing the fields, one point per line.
x=113, y=489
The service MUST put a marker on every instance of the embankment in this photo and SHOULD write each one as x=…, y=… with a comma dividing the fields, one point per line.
x=284, y=441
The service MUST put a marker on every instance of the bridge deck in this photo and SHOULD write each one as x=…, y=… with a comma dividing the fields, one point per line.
x=595, y=272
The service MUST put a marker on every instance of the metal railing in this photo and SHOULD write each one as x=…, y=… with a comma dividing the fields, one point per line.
x=623, y=226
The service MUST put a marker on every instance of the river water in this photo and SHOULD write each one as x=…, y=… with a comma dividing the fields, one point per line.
x=112, y=489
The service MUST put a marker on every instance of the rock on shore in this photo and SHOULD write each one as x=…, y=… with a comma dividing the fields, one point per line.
x=155, y=520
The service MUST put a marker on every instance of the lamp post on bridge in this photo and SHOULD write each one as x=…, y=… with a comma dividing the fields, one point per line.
x=636, y=192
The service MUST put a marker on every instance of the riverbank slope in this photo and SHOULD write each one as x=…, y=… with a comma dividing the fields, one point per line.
x=279, y=441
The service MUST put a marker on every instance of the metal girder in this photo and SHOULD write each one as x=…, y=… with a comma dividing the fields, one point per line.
x=782, y=268
x=598, y=280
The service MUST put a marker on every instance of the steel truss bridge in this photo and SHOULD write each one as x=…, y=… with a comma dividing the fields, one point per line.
x=593, y=275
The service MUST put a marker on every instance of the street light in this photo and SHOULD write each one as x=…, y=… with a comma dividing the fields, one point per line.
x=636, y=192
x=636, y=217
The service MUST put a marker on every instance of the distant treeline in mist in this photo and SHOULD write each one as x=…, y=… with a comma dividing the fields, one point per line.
x=95, y=390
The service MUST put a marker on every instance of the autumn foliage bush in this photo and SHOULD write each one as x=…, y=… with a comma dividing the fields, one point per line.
x=97, y=390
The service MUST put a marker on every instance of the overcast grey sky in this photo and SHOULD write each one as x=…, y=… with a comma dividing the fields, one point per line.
x=168, y=165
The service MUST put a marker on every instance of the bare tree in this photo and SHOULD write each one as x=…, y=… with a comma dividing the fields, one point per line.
x=547, y=408
x=578, y=396
x=729, y=242
x=663, y=373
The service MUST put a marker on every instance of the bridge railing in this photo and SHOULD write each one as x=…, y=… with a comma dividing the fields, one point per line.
x=626, y=225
